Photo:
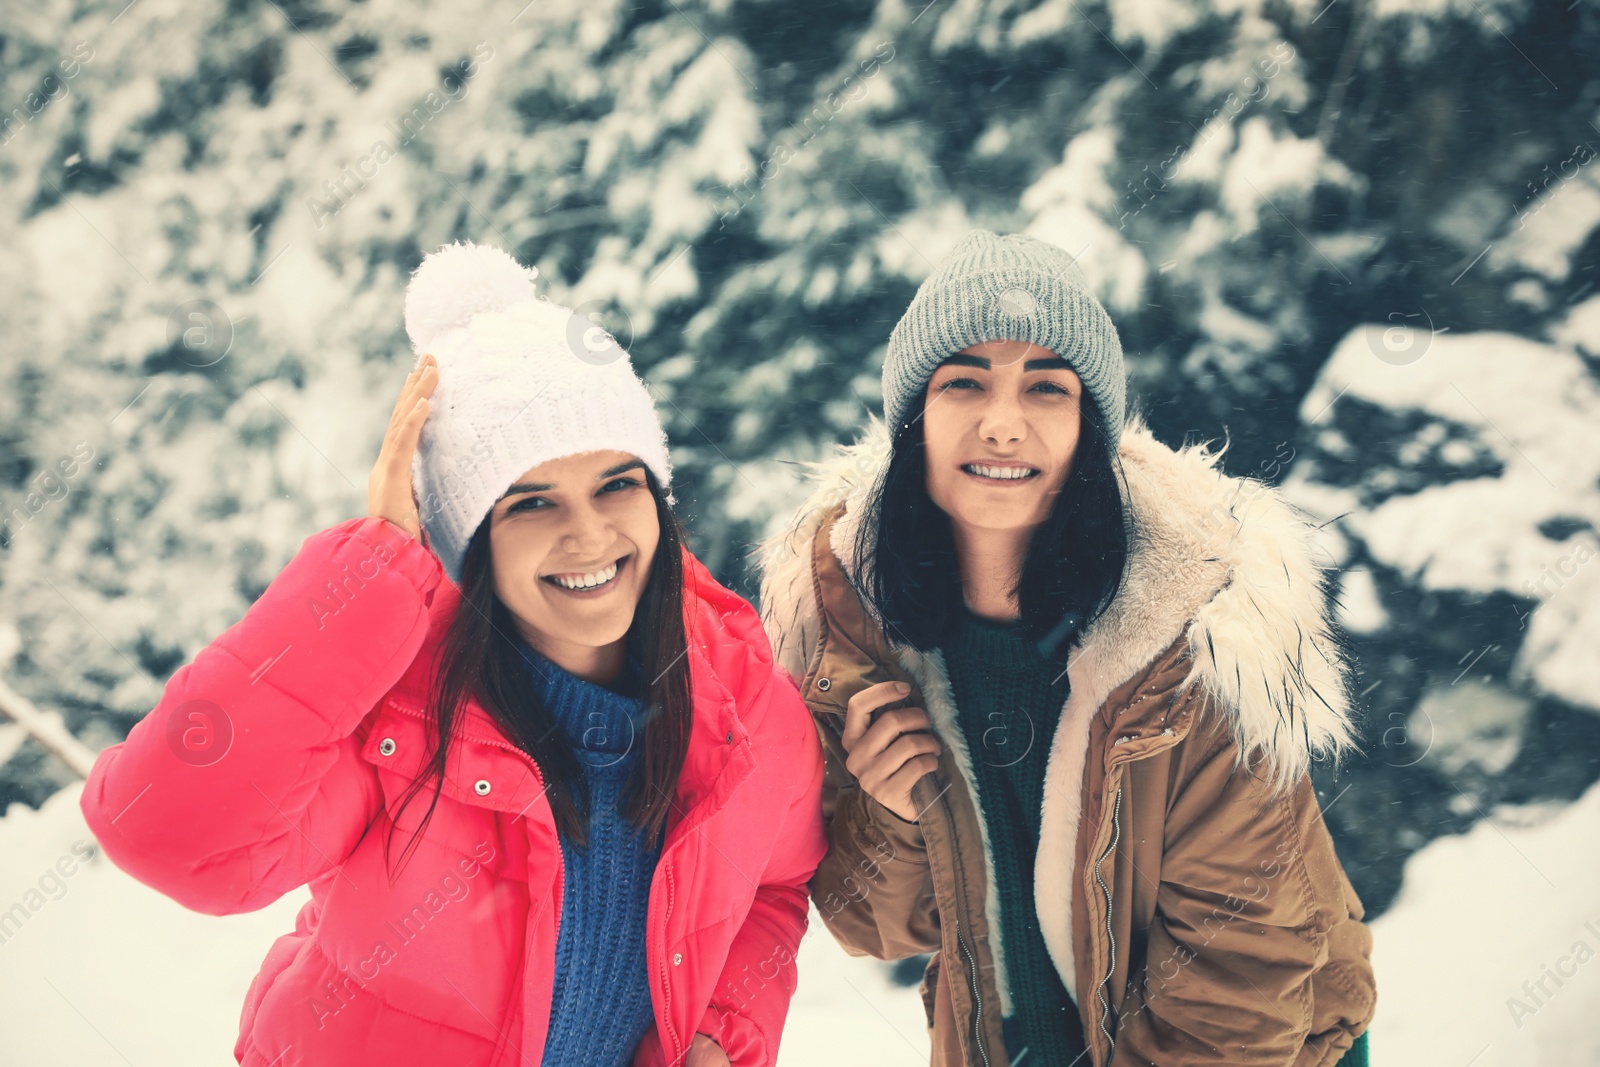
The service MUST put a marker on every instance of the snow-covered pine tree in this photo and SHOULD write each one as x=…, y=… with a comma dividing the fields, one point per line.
x=214, y=213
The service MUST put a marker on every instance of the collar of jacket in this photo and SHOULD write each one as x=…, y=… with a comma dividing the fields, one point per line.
x=724, y=641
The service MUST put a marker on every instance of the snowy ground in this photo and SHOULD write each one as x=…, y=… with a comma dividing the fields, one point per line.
x=1515, y=900
x=107, y=972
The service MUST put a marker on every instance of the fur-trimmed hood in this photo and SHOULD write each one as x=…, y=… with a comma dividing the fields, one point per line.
x=1225, y=559
x=1223, y=585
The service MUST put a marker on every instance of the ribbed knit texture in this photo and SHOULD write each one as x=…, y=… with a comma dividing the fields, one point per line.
x=521, y=381
x=1008, y=699
x=1012, y=288
x=600, y=1007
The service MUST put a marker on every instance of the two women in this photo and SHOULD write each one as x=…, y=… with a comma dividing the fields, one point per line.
x=1069, y=683
x=554, y=803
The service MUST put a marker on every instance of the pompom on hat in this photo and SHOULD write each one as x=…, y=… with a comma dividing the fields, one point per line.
x=522, y=381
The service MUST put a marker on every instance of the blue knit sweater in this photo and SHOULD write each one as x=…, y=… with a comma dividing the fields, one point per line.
x=600, y=1007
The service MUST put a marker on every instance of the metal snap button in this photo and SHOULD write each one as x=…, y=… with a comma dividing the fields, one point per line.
x=730, y=737
x=386, y=746
x=824, y=684
x=677, y=958
x=481, y=786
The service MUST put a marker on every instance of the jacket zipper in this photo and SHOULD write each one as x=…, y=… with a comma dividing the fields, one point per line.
x=972, y=963
x=977, y=1004
x=1111, y=963
x=561, y=888
x=666, y=971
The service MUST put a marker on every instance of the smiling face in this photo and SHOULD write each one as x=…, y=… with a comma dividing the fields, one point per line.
x=572, y=543
x=1001, y=428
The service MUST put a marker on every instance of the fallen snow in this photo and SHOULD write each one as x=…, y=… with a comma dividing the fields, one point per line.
x=108, y=973
x=1537, y=408
x=1477, y=916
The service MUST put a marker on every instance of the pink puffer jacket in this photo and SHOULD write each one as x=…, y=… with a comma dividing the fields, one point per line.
x=277, y=758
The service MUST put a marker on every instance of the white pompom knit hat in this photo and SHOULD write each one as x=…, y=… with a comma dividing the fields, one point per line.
x=521, y=381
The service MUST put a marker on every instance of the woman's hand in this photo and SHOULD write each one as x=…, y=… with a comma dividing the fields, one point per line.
x=890, y=753
x=390, y=494
x=706, y=1053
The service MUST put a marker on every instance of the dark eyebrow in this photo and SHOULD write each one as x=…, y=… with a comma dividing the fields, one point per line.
x=1052, y=363
x=525, y=487
x=962, y=359
x=621, y=468
x=605, y=475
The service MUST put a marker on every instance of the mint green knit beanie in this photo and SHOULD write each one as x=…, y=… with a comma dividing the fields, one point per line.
x=1011, y=288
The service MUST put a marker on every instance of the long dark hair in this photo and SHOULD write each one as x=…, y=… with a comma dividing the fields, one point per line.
x=483, y=657
x=1071, y=572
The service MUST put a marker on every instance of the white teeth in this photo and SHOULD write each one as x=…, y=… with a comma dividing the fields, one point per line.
x=585, y=581
x=1008, y=473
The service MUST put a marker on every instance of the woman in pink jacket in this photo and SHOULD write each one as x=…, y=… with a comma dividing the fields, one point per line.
x=556, y=809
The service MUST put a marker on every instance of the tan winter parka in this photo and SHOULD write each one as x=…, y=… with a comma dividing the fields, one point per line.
x=1185, y=883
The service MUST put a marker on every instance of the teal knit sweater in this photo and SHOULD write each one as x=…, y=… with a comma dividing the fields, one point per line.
x=1008, y=700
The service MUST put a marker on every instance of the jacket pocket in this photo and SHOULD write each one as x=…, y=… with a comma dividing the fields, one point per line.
x=930, y=987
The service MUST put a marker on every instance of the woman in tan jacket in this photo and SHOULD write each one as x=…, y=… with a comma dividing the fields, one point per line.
x=1069, y=682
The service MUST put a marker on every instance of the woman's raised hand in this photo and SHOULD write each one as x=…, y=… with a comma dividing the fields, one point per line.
x=888, y=753
x=390, y=494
